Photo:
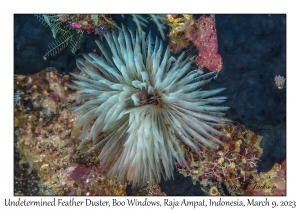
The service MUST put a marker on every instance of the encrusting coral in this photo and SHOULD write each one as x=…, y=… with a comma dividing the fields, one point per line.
x=140, y=104
x=231, y=167
x=185, y=31
x=47, y=162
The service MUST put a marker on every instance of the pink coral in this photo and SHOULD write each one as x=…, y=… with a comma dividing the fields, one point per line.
x=53, y=96
x=75, y=25
x=79, y=173
x=204, y=36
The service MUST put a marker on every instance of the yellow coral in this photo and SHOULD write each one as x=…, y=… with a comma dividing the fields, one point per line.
x=178, y=24
x=221, y=160
x=214, y=191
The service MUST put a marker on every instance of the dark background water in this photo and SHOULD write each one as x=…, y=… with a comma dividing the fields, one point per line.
x=253, y=49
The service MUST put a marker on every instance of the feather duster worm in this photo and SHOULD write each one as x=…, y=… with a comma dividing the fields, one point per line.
x=140, y=105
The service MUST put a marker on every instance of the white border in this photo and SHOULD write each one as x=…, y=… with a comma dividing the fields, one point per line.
x=9, y=8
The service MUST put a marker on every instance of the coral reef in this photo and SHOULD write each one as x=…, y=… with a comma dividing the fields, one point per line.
x=42, y=129
x=204, y=36
x=62, y=26
x=271, y=183
x=149, y=190
x=229, y=169
x=177, y=36
x=46, y=159
x=184, y=31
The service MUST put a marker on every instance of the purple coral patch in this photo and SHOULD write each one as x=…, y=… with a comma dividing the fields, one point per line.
x=79, y=173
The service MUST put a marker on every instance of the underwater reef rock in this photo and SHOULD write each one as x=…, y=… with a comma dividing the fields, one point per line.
x=231, y=169
x=47, y=161
x=227, y=168
x=186, y=32
x=272, y=182
x=44, y=144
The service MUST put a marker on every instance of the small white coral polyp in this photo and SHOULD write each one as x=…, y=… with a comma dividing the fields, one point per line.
x=140, y=104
